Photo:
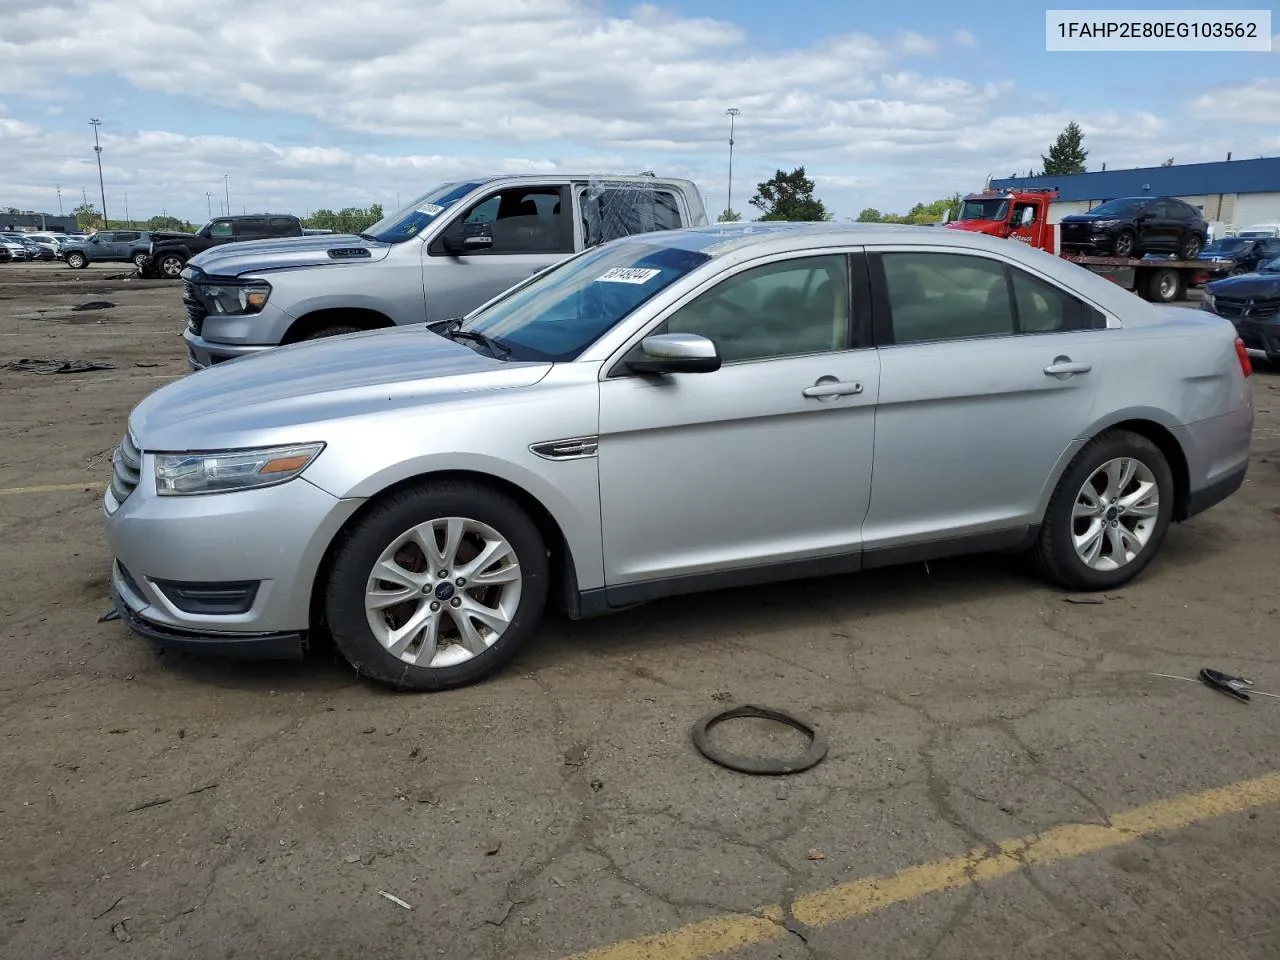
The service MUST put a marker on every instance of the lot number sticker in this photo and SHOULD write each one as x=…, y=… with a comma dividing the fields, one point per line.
x=627, y=275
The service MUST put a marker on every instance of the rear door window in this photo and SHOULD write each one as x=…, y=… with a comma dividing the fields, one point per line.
x=281, y=225
x=251, y=228
x=614, y=212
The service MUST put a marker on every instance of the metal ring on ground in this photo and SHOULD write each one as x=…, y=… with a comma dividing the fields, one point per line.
x=753, y=765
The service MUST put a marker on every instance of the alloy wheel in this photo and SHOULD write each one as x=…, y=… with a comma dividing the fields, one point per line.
x=443, y=592
x=171, y=266
x=1115, y=514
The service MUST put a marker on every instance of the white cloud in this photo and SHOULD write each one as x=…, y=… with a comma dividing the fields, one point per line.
x=1253, y=103
x=964, y=38
x=917, y=43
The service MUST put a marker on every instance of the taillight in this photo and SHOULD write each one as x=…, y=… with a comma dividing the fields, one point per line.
x=1246, y=366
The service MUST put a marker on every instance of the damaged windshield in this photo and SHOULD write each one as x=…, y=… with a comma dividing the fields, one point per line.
x=411, y=220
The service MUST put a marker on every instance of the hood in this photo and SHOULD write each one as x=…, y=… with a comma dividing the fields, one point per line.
x=285, y=253
x=158, y=235
x=993, y=227
x=1257, y=286
x=285, y=395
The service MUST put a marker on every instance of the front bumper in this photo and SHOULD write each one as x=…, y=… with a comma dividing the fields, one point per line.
x=275, y=537
x=201, y=353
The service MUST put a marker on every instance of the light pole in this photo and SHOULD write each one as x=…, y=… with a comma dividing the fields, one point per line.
x=126, y=208
x=58, y=187
x=208, y=198
x=226, y=186
x=733, y=115
x=96, y=123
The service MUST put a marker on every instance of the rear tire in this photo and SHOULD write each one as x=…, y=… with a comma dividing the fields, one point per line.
x=1190, y=247
x=77, y=260
x=443, y=633
x=140, y=261
x=1087, y=544
x=1164, y=286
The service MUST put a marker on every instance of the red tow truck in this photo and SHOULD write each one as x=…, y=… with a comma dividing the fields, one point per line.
x=1024, y=215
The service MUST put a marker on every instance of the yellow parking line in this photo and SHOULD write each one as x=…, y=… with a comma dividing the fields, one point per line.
x=49, y=488
x=729, y=932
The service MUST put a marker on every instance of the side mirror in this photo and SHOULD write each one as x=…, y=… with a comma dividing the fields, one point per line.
x=946, y=218
x=675, y=353
x=464, y=238
x=1027, y=218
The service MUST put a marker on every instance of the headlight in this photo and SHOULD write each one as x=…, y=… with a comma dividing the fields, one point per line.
x=186, y=474
x=1208, y=300
x=236, y=298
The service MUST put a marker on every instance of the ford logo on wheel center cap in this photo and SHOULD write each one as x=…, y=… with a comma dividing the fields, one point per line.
x=444, y=590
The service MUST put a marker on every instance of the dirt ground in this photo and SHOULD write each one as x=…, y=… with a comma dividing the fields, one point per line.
x=156, y=806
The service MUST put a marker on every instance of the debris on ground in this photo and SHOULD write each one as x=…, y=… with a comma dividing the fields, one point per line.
x=111, y=614
x=114, y=903
x=765, y=767
x=46, y=365
x=492, y=848
x=394, y=899
x=119, y=930
x=147, y=804
x=498, y=915
x=351, y=858
x=597, y=786
x=815, y=855
x=1231, y=686
x=93, y=305
x=1083, y=600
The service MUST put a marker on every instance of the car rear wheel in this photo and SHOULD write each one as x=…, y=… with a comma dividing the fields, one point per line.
x=1190, y=247
x=1109, y=514
x=437, y=586
x=170, y=265
x=140, y=260
x=77, y=260
x=1124, y=243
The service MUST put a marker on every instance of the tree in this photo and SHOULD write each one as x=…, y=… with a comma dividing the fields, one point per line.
x=346, y=220
x=921, y=213
x=1168, y=163
x=165, y=223
x=1067, y=153
x=87, y=217
x=870, y=215
x=789, y=196
x=729, y=216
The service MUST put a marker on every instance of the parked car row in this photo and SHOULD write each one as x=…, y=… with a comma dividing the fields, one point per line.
x=612, y=401
x=21, y=247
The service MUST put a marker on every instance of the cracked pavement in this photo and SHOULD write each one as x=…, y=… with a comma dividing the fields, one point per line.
x=561, y=807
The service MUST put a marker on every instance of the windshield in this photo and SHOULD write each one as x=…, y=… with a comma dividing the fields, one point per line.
x=1119, y=208
x=559, y=314
x=1228, y=245
x=410, y=221
x=991, y=209
x=1271, y=266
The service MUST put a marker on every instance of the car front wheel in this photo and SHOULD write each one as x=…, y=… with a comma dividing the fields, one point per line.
x=77, y=261
x=1109, y=513
x=171, y=265
x=437, y=586
x=1124, y=244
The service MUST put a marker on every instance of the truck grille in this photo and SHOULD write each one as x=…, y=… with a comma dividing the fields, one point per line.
x=126, y=465
x=1241, y=309
x=195, y=309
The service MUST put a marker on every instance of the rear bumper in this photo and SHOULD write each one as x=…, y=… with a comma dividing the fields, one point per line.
x=1201, y=500
x=244, y=646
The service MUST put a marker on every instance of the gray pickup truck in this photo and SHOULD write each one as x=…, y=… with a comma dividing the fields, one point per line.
x=442, y=256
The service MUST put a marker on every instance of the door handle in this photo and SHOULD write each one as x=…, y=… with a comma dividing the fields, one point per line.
x=1064, y=367
x=830, y=387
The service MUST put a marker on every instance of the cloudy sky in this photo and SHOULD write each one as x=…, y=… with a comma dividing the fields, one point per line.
x=312, y=103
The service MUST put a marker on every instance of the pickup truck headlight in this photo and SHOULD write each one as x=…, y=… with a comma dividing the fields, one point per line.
x=188, y=474
x=1208, y=300
x=236, y=298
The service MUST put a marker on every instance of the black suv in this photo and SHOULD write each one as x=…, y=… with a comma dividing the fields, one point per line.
x=171, y=251
x=1133, y=226
x=1244, y=254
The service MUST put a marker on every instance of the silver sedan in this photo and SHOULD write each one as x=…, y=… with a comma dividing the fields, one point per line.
x=669, y=413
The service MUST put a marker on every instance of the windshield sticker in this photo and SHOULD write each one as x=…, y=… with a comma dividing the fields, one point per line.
x=430, y=209
x=635, y=275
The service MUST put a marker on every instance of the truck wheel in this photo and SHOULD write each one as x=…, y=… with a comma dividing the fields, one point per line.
x=170, y=265
x=436, y=586
x=1190, y=247
x=1109, y=514
x=77, y=260
x=334, y=330
x=1164, y=286
x=1123, y=246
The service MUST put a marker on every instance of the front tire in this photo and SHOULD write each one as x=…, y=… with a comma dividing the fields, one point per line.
x=437, y=586
x=1190, y=247
x=1109, y=514
x=1124, y=243
x=170, y=265
x=77, y=261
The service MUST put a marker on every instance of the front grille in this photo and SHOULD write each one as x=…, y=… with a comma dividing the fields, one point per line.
x=195, y=309
x=126, y=467
x=1241, y=309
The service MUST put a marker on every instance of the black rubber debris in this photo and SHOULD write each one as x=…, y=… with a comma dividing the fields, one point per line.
x=46, y=365
x=757, y=766
x=93, y=305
